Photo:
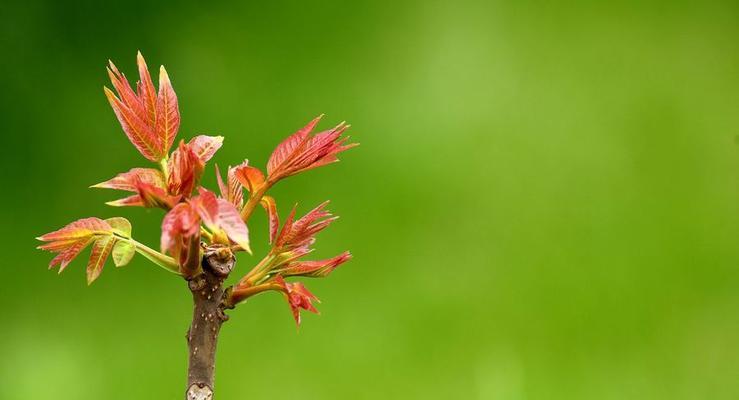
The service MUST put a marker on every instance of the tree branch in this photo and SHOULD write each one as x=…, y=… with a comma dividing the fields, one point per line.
x=208, y=316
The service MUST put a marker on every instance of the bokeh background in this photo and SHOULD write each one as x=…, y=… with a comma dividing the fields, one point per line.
x=545, y=204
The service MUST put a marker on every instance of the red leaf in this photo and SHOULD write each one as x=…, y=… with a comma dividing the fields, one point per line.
x=251, y=178
x=100, y=251
x=167, y=112
x=298, y=297
x=315, y=269
x=300, y=152
x=79, y=229
x=185, y=169
x=301, y=233
x=141, y=135
x=150, y=119
x=206, y=146
x=146, y=91
x=130, y=201
x=66, y=256
x=147, y=183
x=220, y=215
x=127, y=180
x=221, y=185
x=154, y=196
x=290, y=147
x=70, y=240
x=269, y=204
x=126, y=94
x=180, y=224
x=233, y=192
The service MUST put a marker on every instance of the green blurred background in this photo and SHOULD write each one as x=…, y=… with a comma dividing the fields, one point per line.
x=544, y=205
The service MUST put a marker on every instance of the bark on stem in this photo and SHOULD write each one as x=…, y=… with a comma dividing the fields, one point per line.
x=208, y=316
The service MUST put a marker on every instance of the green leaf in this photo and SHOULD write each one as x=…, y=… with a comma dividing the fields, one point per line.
x=120, y=226
x=123, y=253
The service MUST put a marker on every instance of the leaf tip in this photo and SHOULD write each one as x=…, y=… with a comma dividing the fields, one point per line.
x=163, y=76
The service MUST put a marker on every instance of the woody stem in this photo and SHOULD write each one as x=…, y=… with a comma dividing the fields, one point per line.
x=208, y=316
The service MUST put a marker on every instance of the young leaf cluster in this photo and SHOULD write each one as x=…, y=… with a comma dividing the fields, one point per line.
x=197, y=219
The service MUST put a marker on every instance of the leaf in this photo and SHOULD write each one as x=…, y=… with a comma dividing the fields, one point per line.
x=251, y=178
x=220, y=215
x=100, y=251
x=146, y=91
x=70, y=240
x=126, y=94
x=221, y=185
x=127, y=180
x=301, y=233
x=180, y=223
x=141, y=135
x=167, y=112
x=123, y=253
x=153, y=196
x=70, y=253
x=130, y=201
x=148, y=196
x=315, y=269
x=298, y=297
x=205, y=147
x=149, y=185
x=120, y=226
x=269, y=204
x=290, y=147
x=80, y=229
x=185, y=169
x=233, y=191
x=300, y=152
x=149, y=119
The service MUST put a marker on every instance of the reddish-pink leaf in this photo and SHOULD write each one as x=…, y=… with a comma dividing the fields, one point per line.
x=301, y=233
x=100, y=251
x=290, y=147
x=70, y=240
x=149, y=196
x=185, y=169
x=154, y=196
x=206, y=146
x=250, y=177
x=146, y=91
x=232, y=191
x=130, y=201
x=66, y=256
x=180, y=223
x=286, y=228
x=298, y=297
x=58, y=246
x=220, y=215
x=269, y=204
x=300, y=152
x=167, y=112
x=315, y=269
x=82, y=228
x=125, y=93
x=221, y=185
x=141, y=135
x=127, y=180
x=323, y=148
